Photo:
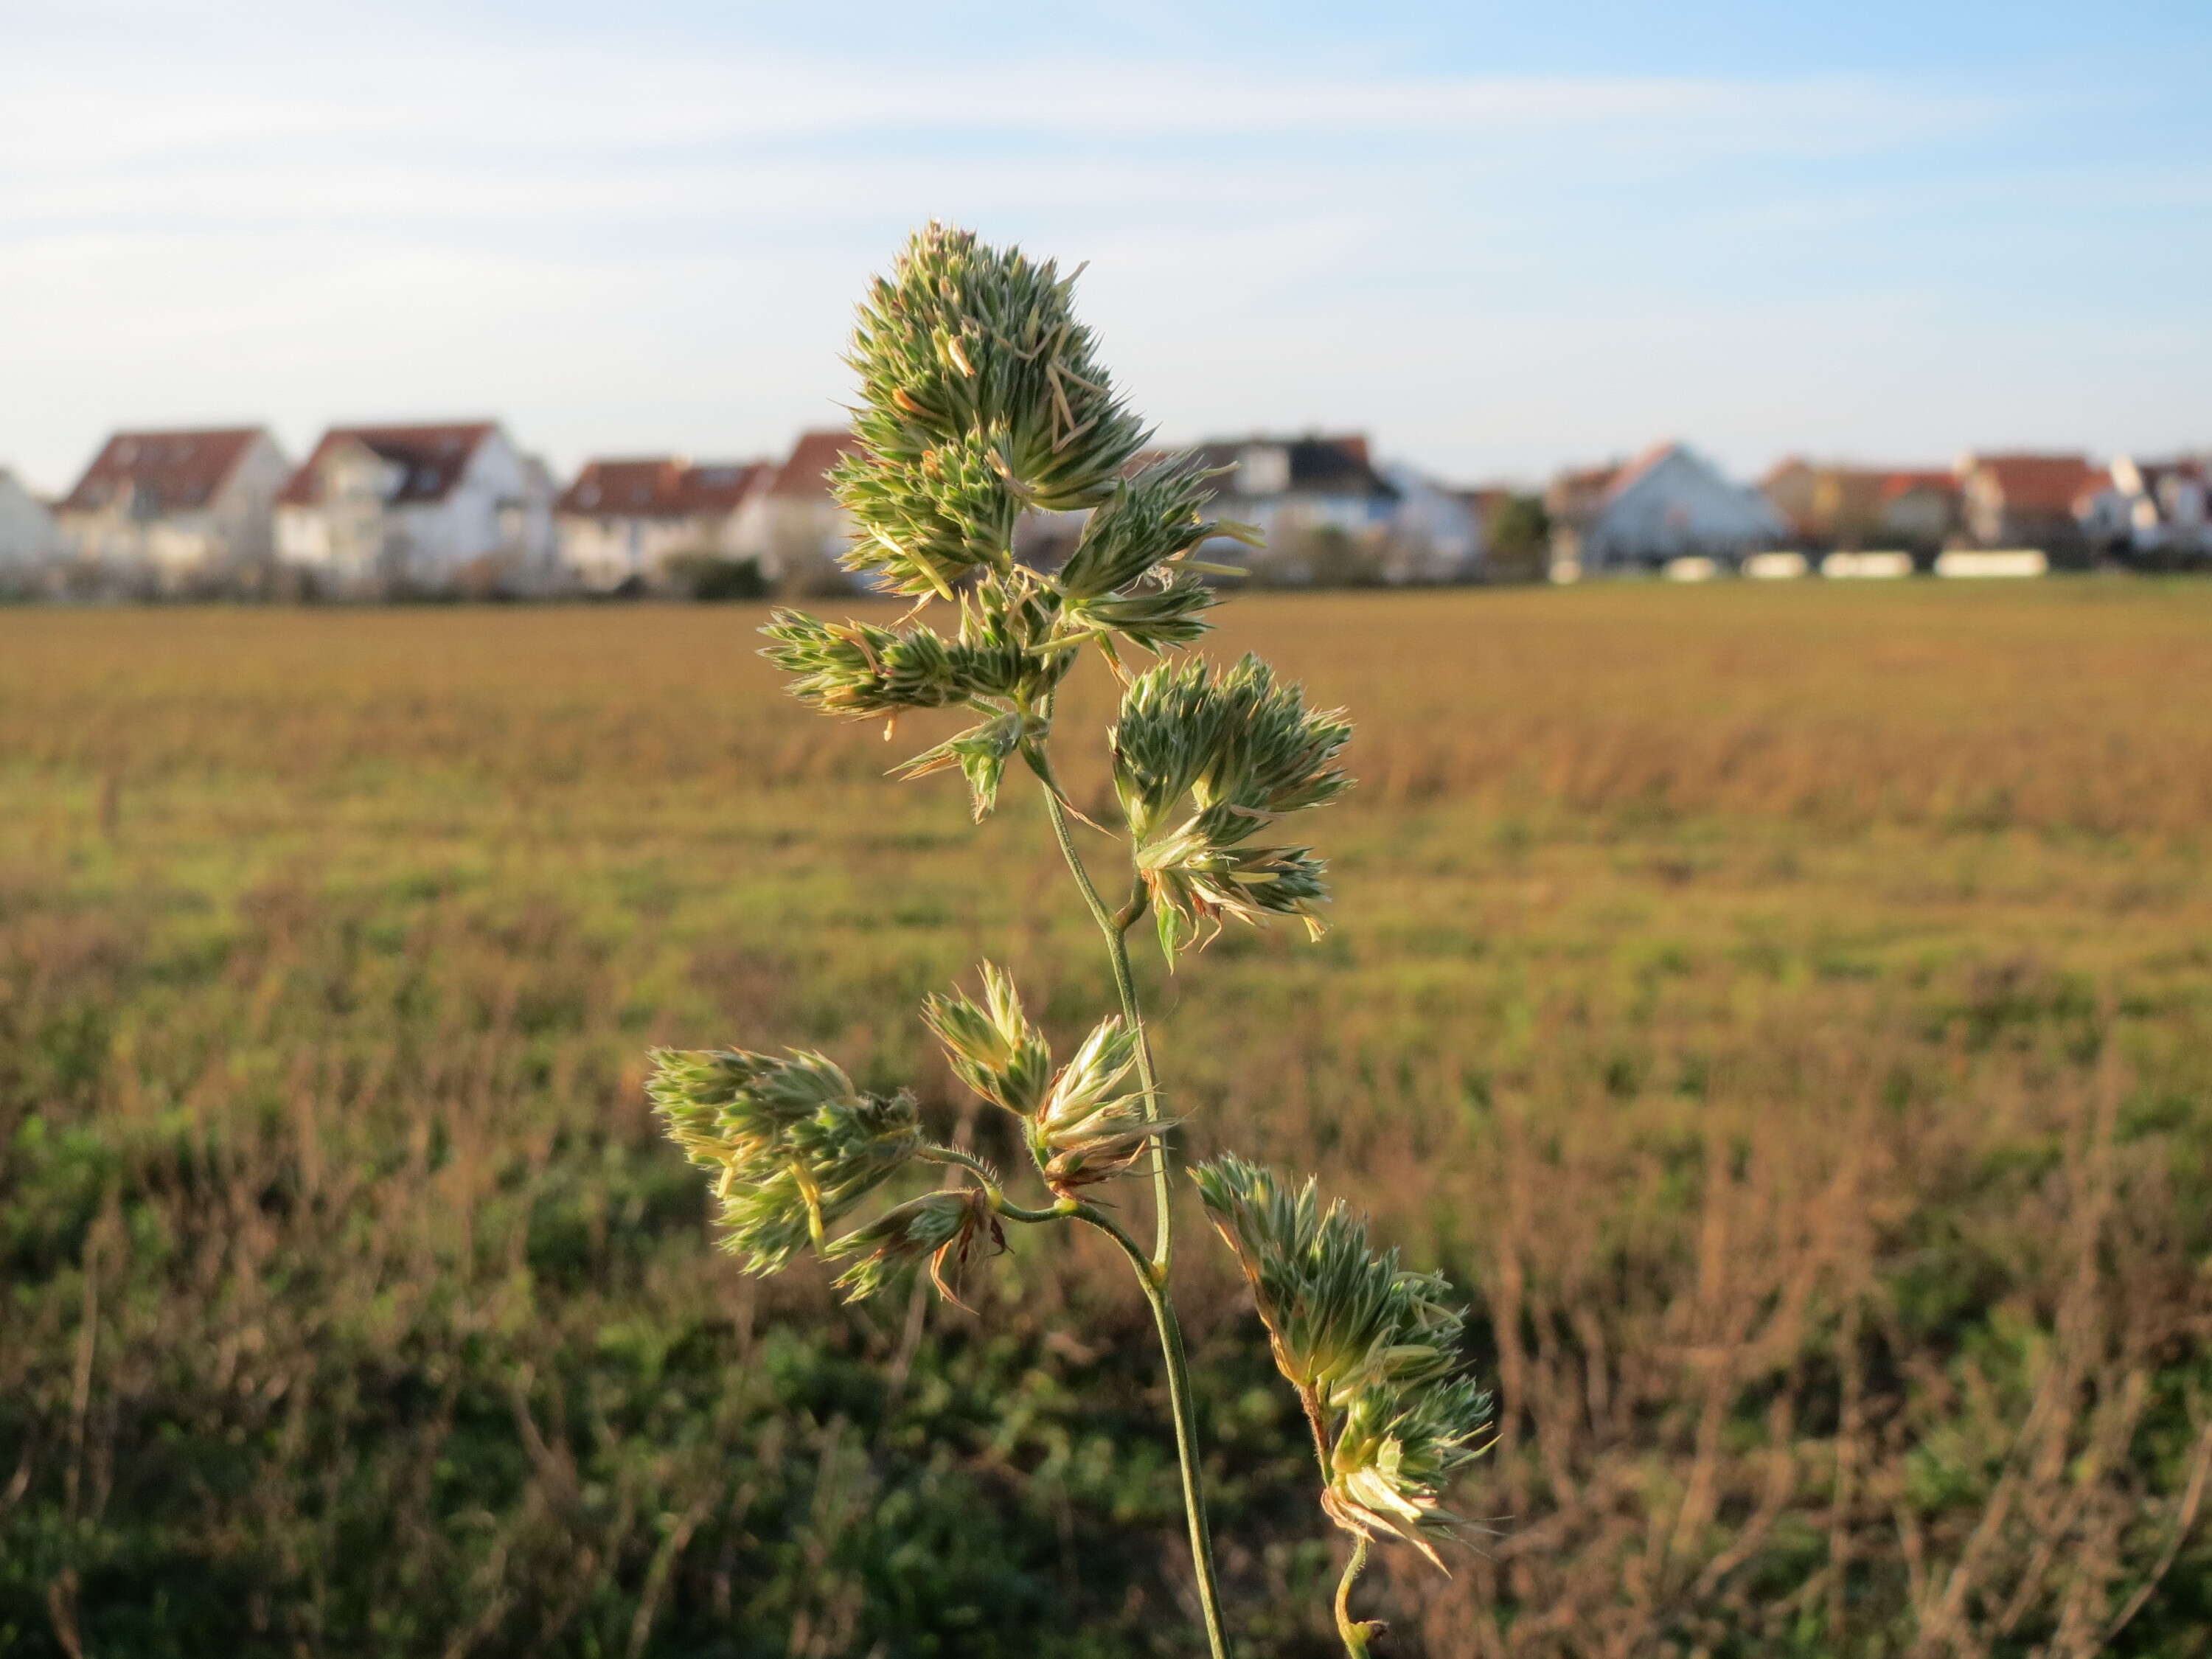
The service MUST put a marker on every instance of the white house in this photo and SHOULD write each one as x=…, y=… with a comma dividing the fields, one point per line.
x=430, y=507
x=1669, y=503
x=790, y=522
x=621, y=521
x=28, y=536
x=1317, y=500
x=176, y=507
x=2158, y=509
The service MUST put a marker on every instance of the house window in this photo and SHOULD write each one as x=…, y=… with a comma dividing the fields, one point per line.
x=1263, y=470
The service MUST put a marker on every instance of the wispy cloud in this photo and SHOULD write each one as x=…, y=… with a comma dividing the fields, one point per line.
x=620, y=242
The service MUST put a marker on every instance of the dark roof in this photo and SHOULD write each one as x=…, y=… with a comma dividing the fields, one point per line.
x=1317, y=466
x=805, y=472
x=164, y=472
x=431, y=459
x=660, y=487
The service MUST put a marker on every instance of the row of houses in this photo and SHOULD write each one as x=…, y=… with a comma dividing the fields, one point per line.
x=1671, y=504
x=459, y=506
x=390, y=510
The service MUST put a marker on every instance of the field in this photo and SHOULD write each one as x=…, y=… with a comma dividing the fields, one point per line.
x=1787, y=1009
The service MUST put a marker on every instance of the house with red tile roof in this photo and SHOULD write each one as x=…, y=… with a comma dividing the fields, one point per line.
x=2028, y=501
x=791, y=523
x=621, y=521
x=1829, y=505
x=419, y=507
x=1668, y=503
x=176, y=507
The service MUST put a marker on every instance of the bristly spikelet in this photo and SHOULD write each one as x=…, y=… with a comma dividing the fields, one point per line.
x=964, y=341
x=1371, y=1348
x=926, y=523
x=1090, y=1129
x=1245, y=750
x=944, y=1227
x=992, y=1047
x=793, y=1143
x=1082, y=1126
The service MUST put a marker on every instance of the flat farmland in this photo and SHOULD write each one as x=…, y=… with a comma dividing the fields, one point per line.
x=1786, y=1009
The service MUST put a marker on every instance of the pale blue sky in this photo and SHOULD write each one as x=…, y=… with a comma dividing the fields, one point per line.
x=1500, y=239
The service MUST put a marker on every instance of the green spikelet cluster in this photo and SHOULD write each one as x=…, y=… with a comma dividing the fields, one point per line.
x=1372, y=1348
x=1243, y=751
x=1081, y=1123
x=971, y=345
x=792, y=1144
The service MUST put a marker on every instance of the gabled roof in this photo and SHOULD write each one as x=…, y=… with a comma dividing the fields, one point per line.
x=1650, y=459
x=1317, y=466
x=431, y=459
x=805, y=473
x=1905, y=481
x=2034, y=484
x=660, y=487
x=162, y=471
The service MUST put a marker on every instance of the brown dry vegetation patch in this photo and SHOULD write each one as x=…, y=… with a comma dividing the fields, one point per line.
x=1787, y=1010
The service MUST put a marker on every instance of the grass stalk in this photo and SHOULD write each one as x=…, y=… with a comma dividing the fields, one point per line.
x=1152, y=1271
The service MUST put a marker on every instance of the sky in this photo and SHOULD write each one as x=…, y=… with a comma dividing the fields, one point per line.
x=1499, y=238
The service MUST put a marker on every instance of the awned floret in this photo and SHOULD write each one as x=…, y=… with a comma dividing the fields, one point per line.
x=942, y=1228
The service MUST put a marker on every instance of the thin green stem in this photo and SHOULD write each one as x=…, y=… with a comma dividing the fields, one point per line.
x=988, y=1178
x=1152, y=1271
x=1116, y=932
x=1179, y=1402
x=1357, y=1634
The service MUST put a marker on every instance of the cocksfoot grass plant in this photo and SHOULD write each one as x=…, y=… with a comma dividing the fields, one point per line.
x=981, y=398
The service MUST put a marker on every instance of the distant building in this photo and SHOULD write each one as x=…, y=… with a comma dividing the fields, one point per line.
x=30, y=539
x=2157, y=512
x=1920, y=510
x=176, y=507
x=2028, y=501
x=385, y=509
x=621, y=521
x=1853, y=507
x=1317, y=500
x=1670, y=503
x=791, y=523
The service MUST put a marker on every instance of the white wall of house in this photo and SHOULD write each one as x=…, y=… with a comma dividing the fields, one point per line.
x=496, y=509
x=1677, y=507
x=499, y=510
x=603, y=552
x=28, y=535
x=1435, y=536
x=235, y=529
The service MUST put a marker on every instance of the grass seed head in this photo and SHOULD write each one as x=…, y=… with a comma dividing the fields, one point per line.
x=1370, y=1345
x=965, y=342
x=793, y=1144
x=943, y=1228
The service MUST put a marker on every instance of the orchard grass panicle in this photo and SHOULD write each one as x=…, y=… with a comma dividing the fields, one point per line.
x=983, y=398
